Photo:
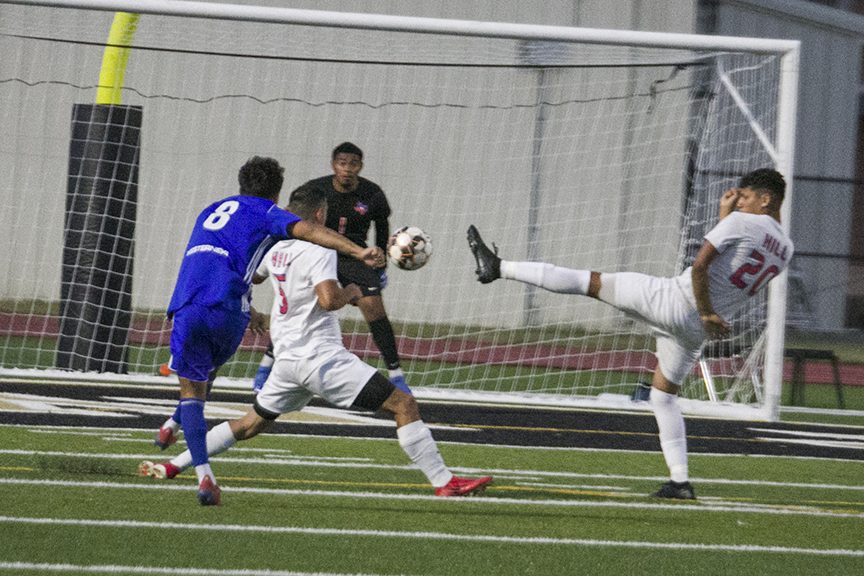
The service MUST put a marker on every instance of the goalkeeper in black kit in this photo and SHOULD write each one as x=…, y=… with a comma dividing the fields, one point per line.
x=354, y=204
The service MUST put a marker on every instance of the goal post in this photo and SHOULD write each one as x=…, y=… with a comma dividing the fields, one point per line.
x=598, y=149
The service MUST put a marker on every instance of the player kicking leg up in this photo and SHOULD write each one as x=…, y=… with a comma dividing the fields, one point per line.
x=337, y=382
x=737, y=259
x=631, y=293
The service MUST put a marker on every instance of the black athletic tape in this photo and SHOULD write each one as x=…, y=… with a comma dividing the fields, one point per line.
x=375, y=393
x=266, y=414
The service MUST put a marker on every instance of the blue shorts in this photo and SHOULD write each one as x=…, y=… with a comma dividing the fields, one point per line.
x=203, y=339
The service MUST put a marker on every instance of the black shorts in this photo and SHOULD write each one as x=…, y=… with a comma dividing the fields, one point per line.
x=352, y=271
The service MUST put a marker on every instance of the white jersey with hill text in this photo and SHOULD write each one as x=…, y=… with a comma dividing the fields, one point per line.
x=299, y=326
x=753, y=249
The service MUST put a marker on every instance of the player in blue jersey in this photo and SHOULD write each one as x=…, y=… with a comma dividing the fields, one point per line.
x=211, y=307
x=311, y=360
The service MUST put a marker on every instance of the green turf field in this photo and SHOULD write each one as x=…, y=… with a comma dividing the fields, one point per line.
x=71, y=503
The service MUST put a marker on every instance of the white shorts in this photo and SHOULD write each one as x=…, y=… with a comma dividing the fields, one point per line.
x=660, y=303
x=338, y=378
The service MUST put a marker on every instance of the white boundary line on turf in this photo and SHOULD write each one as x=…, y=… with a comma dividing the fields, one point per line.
x=115, y=569
x=108, y=430
x=451, y=443
x=433, y=536
x=293, y=460
x=737, y=508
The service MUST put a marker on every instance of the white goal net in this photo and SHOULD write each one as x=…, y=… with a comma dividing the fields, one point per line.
x=606, y=152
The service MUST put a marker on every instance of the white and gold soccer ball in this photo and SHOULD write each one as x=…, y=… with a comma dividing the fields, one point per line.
x=409, y=247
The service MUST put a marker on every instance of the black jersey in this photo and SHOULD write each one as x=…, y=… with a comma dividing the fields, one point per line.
x=351, y=213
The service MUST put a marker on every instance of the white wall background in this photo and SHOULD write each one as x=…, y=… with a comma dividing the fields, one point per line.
x=445, y=167
x=35, y=123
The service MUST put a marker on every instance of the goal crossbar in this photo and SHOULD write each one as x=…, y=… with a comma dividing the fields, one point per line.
x=392, y=23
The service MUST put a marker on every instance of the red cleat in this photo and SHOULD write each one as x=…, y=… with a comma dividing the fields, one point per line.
x=464, y=486
x=164, y=438
x=209, y=494
x=161, y=471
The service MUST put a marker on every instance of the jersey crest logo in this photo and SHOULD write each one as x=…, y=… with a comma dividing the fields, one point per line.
x=361, y=208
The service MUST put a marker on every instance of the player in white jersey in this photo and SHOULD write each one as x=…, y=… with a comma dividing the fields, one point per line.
x=310, y=359
x=738, y=258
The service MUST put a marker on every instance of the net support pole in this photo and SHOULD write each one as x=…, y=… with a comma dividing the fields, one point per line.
x=775, y=331
x=98, y=247
x=101, y=202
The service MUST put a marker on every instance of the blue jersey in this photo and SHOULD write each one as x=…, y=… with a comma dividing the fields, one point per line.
x=228, y=242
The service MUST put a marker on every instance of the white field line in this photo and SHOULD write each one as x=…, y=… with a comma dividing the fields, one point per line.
x=804, y=433
x=62, y=429
x=514, y=474
x=432, y=536
x=817, y=443
x=115, y=569
x=285, y=460
x=479, y=501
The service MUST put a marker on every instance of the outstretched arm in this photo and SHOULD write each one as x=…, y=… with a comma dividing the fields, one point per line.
x=317, y=234
x=714, y=325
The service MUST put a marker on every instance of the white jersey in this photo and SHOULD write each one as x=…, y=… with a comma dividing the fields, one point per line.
x=307, y=340
x=752, y=249
x=299, y=327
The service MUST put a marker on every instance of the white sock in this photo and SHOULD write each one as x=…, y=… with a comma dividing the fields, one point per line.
x=395, y=372
x=174, y=426
x=416, y=440
x=204, y=470
x=219, y=439
x=547, y=276
x=673, y=437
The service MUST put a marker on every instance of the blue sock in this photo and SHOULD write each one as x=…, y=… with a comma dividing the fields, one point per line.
x=195, y=429
x=260, y=377
x=399, y=382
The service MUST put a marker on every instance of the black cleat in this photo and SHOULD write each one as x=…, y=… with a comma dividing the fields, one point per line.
x=676, y=491
x=488, y=262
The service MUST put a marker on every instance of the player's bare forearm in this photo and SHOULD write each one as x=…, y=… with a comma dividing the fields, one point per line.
x=317, y=234
x=728, y=202
x=323, y=236
x=701, y=291
x=713, y=324
x=331, y=297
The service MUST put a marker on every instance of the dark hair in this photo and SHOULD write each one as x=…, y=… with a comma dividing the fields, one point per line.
x=766, y=180
x=261, y=177
x=306, y=200
x=347, y=148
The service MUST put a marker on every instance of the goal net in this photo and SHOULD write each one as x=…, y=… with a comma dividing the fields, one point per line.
x=586, y=149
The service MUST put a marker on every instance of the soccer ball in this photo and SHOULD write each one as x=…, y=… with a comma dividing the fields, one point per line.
x=409, y=247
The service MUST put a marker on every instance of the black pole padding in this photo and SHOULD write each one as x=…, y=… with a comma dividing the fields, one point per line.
x=98, y=243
